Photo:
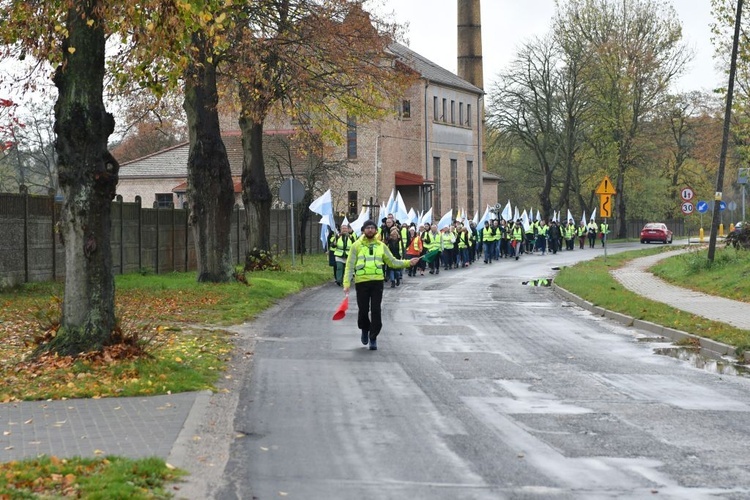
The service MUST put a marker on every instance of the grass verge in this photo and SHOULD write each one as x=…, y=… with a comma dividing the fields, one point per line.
x=169, y=314
x=592, y=281
x=98, y=478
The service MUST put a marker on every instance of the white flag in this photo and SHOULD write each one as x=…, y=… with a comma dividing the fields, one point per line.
x=445, y=220
x=323, y=205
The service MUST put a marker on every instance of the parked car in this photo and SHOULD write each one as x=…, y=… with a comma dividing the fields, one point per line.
x=656, y=231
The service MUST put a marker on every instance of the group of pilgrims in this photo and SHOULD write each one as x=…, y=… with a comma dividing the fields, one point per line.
x=461, y=243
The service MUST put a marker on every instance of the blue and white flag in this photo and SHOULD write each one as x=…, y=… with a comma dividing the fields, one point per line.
x=525, y=220
x=593, y=216
x=323, y=205
x=583, y=218
x=537, y=215
x=326, y=225
x=389, y=204
x=411, y=216
x=445, y=220
x=507, y=211
x=516, y=215
x=485, y=217
x=426, y=218
x=356, y=225
x=399, y=208
x=570, y=217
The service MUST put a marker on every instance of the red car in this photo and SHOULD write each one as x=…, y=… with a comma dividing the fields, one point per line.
x=656, y=231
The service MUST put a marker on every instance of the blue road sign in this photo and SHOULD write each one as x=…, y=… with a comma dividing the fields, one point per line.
x=722, y=205
x=701, y=207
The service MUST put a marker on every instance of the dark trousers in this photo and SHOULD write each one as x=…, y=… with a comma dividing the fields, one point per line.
x=369, y=298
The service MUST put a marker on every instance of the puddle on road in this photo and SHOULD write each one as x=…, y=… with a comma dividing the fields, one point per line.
x=693, y=356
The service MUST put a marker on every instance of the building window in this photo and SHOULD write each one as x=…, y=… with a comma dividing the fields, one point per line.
x=435, y=109
x=444, y=116
x=470, y=186
x=353, y=204
x=454, y=184
x=468, y=115
x=436, y=191
x=164, y=200
x=351, y=138
x=453, y=111
x=460, y=113
x=406, y=108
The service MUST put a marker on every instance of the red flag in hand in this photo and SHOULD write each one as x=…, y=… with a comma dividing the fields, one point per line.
x=341, y=311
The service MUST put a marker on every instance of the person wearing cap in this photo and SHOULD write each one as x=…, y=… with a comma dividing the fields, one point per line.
x=367, y=259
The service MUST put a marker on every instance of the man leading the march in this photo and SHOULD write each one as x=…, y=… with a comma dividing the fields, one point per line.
x=367, y=257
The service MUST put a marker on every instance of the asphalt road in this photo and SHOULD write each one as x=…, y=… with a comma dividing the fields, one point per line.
x=482, y=388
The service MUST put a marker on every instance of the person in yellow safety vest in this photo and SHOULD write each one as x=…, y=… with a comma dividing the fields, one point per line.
x=569, y=233
x=581, y=233
x=541, y=237
x=432, y=240
x=487, y=241
x=517, y=238
x=342, y=244
x=449, y=242
x=529, y=236
x=592, y=228
x=464, y=242
x=367, y=258
x=604, y=230
x=404, y=233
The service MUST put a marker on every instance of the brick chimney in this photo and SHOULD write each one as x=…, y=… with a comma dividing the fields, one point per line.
x=470, y=42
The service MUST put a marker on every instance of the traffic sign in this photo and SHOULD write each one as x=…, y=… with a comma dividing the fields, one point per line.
x=732, y=205
x=687, y=193
x=291, y=191
x=687, y=208
x=605, y=205
x=722, y=205
x=701, y=207
x=605, y=187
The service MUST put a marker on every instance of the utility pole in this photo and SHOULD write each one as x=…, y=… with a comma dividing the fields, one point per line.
x=725, y=139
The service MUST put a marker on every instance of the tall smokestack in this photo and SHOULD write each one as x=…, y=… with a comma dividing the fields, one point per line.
x=470, y=42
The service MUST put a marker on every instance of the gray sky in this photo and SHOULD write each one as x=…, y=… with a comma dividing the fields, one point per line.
x=508, y=23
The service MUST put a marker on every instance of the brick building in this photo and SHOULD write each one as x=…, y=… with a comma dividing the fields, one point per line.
x=430, y=150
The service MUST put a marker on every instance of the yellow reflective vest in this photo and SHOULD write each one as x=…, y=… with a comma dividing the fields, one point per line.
x=366, y=260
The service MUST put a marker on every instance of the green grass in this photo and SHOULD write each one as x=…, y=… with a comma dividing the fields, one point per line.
x=99, y=478
x=727, y=276
x=593, y=282
x=169, y=314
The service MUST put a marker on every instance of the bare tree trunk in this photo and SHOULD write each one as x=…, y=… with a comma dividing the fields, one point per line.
x=88, y=177
x=210, y=186
x=256, y=194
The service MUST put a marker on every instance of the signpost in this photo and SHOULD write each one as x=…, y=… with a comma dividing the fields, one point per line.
x=605, y=190
x=291, y=191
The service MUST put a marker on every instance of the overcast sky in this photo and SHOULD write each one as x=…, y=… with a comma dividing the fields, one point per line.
x=508, y=23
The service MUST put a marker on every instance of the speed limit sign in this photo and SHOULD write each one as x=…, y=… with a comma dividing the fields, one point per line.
x=687, y=194
x=687, y=208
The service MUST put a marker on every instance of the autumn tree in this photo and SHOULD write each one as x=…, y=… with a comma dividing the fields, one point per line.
x=317, y=61
x=636, y=53
x=71, y=35
x=148, y=124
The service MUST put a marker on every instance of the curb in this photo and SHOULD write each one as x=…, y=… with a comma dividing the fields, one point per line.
x=709, y=347
x=189, y=429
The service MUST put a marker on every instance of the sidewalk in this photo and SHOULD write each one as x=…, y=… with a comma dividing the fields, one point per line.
x=636, y=278
x=164, y=426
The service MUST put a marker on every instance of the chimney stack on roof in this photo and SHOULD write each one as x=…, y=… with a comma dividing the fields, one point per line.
x=470, y=42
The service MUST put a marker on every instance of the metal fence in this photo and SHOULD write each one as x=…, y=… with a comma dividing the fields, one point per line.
x=156, y=239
